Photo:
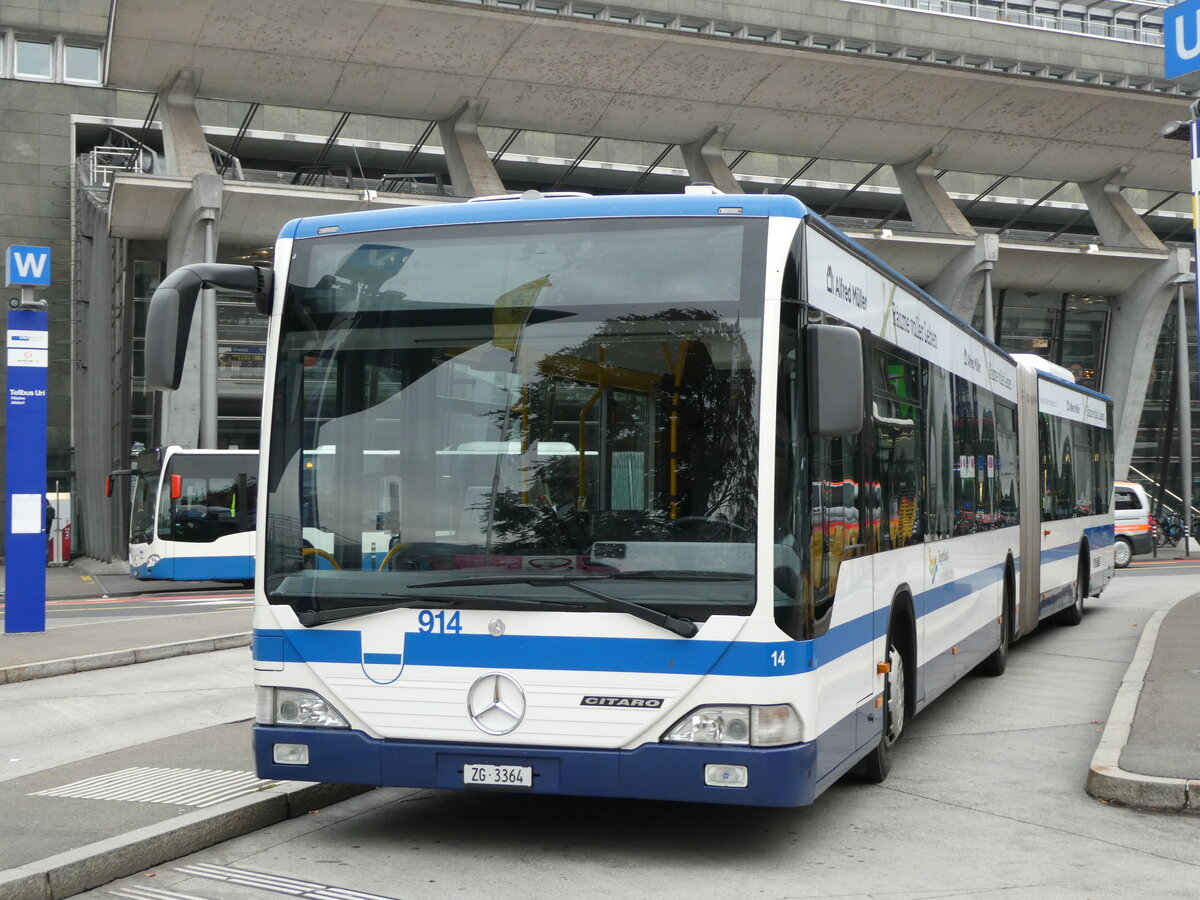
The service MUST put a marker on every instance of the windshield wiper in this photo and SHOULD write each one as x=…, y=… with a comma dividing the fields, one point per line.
x=676, y=624
x=312, y=617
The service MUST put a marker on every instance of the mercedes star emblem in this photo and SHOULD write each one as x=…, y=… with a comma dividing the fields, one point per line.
x=496, y=704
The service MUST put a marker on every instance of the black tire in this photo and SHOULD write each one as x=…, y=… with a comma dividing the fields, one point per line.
x=1122, y=553
x=996, y=662
x=1073, y=614
x=876, y=765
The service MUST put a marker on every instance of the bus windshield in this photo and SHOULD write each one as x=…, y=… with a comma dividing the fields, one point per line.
x=495, y=415
x=145, y=498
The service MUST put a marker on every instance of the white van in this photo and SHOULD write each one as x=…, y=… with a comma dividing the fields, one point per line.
x=1131, y=521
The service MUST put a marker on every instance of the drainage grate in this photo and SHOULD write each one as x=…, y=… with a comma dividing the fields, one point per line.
x=181, y=787
x=309, y=890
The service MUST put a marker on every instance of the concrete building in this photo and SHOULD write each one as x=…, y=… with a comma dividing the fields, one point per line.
x=1005, y=154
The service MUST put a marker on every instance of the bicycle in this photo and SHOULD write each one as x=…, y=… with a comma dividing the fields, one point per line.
x=1168, y=530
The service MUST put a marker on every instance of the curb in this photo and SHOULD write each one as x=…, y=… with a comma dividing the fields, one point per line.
x=75, y=871
x=1106, y=780
x=112, y=658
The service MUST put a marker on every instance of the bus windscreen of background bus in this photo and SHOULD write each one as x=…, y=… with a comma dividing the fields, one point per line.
x=193, y=515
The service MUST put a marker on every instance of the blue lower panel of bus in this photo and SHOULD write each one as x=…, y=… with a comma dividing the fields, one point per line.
x=777, y=776
x=198, y=568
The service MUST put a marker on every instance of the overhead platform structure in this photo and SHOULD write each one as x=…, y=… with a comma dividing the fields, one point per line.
x=420, y=59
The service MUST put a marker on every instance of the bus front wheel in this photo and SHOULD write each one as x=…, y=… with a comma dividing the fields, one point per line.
x=878, y=763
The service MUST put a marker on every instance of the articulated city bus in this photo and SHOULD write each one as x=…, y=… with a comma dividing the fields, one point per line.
x=673, y=497
x=193, y=515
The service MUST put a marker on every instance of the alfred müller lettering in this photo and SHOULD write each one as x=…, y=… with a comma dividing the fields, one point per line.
x=844, y=290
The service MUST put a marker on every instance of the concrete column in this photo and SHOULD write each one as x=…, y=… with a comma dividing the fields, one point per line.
x=929, y=206
x=1183, y=403
x=1133, y=330
x=185, y=147
x=1116, y=222
x=471, y=171
x=191, y=238
x=960, y=284
x=706, y=164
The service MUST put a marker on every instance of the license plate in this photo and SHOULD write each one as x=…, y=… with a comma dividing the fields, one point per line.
x=498, y=776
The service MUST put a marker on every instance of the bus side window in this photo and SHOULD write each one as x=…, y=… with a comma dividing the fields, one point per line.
x=899, y=444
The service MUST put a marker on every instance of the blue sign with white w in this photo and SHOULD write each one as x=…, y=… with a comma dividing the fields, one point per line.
x=1181, y=38
x=27, y=266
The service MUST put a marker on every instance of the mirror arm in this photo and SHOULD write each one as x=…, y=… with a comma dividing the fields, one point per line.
x=169, y=318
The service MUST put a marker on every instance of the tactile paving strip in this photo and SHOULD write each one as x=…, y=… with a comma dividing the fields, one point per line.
x=146, y=784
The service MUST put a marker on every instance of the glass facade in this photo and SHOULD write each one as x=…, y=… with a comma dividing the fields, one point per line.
x=1067, y=329
x=1155, y=462
x=1072, y=330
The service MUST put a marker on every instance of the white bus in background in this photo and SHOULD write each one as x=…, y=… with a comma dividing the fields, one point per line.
x=683, y=498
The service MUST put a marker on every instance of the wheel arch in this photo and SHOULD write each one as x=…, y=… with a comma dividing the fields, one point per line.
x=1008, y=597
x=902, y=628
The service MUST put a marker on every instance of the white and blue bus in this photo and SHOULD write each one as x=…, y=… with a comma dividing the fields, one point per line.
x=193, y=515
x=672, y=497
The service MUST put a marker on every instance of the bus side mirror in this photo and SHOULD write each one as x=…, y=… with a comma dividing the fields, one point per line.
x=176, y=487
x=169, y=318
x=115, y=473
x=835, y=380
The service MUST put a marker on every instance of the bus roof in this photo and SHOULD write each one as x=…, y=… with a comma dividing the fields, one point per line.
x=549, y=209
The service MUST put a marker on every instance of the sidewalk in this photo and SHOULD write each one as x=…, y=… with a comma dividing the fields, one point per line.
x=59, y=837
x=53, y=844
x=1149, y=754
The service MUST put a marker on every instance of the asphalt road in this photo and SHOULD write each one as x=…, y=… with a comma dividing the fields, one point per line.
x=986, y=799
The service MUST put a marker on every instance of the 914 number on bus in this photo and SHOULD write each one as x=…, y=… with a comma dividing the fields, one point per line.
x=438, y=623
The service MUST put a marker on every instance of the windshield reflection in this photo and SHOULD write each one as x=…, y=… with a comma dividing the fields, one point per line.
x=577, y=422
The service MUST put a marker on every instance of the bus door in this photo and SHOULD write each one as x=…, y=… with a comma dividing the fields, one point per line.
x=837, y=571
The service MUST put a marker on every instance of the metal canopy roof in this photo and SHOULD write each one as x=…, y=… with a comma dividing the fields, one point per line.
x=420, y=58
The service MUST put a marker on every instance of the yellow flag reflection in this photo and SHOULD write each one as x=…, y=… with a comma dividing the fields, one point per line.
x=512, y=309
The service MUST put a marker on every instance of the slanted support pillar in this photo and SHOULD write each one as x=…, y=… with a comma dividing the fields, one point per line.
x=471, y=171
x=1116, y=222
x=706, y=164
x=962, y=282
x=1133, y=330
x=185, y=147
x=929, y=206
x=188, y=415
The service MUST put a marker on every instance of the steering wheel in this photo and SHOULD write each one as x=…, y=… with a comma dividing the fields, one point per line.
x=316, y=554
x=390, y=554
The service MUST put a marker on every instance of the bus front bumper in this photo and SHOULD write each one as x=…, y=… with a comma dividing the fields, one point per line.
x=775, y=776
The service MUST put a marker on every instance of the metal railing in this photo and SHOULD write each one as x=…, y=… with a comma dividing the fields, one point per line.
x=1143, y=32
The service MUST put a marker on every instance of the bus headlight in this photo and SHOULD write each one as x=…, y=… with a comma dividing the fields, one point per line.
x=152, y=561
x=305, y=709
x=744, y=726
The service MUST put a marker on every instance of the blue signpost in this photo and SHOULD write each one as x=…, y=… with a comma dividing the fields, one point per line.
x=1181, y=38
x=1181, y=56
x=25, y=450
